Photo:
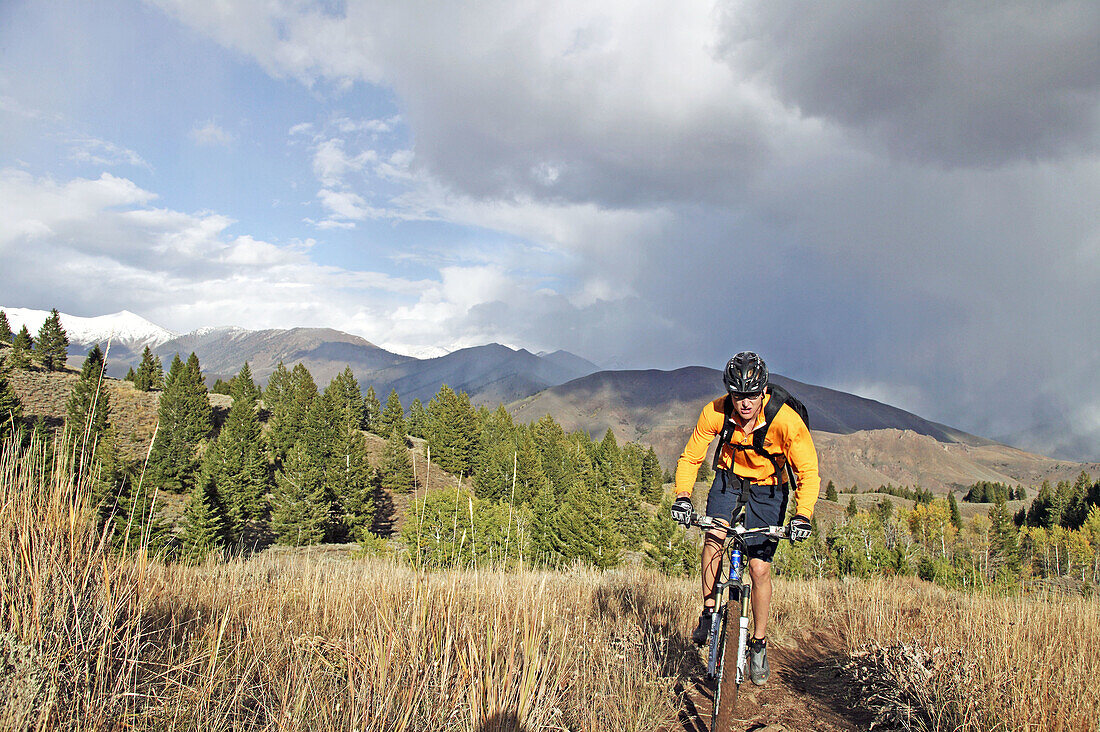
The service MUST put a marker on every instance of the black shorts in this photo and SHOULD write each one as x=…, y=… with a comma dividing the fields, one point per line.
x=765, y=505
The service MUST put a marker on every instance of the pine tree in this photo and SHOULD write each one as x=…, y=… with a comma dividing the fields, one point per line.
x=21, y=350
x=852, y=508
x=553, y=451
x=493, y=459
x=372, y=412
x=6, y=335
x=418, y=419
x=11, y=409
x=89, y=407
x=112, y=477
x=345, y=398
x=150, y=374
x=1004, y=538
x=203, y=522
x=200, y=411
x=130, y=375
x=830, y=493
x=669, y=550
x=393, y=416
x=351, y=480
x=953, y=506
x=53, y=343
x=321, y=423
x=452, y=430
x=544, y=544
x=236, y=464
x=395, y=470
x=652, y=488
x=583, y=528
x=608, y=465
x=183, y=420
x=706, y=473
x=529, y=475
x=544, y=508
x=288, y=399
x=300, y=511
x=247, y=387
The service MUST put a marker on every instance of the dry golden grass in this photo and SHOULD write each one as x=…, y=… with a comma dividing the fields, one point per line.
x=990, y=662
x=95, y=641
x=289, y=641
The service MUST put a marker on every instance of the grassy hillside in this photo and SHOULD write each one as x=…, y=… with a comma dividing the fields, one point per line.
x=298, y=641
x=134, y=416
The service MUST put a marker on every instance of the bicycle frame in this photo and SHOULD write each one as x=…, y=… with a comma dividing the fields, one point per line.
x=733, y=588
x=733, y=561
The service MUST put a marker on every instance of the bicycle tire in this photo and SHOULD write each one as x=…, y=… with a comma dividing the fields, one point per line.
x=725, y=695
x=720, y=671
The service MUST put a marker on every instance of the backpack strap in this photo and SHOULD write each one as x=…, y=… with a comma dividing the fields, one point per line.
x=726, y=434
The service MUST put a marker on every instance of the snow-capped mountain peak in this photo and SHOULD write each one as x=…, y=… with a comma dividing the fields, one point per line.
x=123, y=328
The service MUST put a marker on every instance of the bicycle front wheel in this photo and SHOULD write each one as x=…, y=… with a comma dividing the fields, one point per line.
x=725, y=695
x=720, y=671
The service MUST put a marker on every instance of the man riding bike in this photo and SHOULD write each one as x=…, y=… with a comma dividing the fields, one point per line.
x=746, y=477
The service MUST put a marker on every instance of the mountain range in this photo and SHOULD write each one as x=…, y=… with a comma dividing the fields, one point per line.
x=860, y=440
x=491, y=374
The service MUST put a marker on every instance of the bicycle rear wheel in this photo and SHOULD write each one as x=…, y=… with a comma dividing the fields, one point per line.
x=725, y=696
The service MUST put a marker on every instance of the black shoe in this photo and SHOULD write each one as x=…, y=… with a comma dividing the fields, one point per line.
x=702, y=631
x=759, y=670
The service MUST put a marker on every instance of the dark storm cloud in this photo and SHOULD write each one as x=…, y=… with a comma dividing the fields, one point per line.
x=954, y=83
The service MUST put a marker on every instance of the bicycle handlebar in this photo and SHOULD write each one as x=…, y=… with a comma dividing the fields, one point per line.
x=708, y=522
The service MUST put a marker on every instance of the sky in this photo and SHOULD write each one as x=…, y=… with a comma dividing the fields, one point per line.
x=897, y=199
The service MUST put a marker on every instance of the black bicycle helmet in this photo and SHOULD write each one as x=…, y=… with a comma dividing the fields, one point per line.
x=745, y=373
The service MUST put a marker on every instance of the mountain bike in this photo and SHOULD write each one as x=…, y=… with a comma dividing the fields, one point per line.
x=728, y=645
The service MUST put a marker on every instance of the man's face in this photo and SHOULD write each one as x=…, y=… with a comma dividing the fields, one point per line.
x=747, y=406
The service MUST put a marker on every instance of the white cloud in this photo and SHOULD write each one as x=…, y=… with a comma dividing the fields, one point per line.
x=33, y=208
x=347, y=125
x=101, y=152
x=210, y=134
x=344, y=205
x=14, y=106
x=331, y=164
x=110, y=251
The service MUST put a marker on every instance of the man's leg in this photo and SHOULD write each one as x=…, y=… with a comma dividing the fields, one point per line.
x=712, y=557
x=761, y=573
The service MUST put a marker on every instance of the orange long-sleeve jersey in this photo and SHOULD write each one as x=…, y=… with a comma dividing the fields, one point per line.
x=787, y=435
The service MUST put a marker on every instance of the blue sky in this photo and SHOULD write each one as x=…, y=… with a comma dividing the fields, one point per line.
x=895, y=199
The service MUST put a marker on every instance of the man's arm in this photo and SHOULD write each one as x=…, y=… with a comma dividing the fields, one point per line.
x=707, y=426
x=802, y=454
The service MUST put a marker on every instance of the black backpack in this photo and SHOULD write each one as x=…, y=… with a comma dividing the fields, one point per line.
x=779, y=397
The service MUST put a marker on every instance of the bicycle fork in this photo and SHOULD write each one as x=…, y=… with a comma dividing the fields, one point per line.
x=743, y=633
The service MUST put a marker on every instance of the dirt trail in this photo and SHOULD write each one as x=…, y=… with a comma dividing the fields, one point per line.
x=804, y=694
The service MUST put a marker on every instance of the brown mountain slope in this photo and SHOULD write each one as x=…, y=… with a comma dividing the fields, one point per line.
x=877, y=457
